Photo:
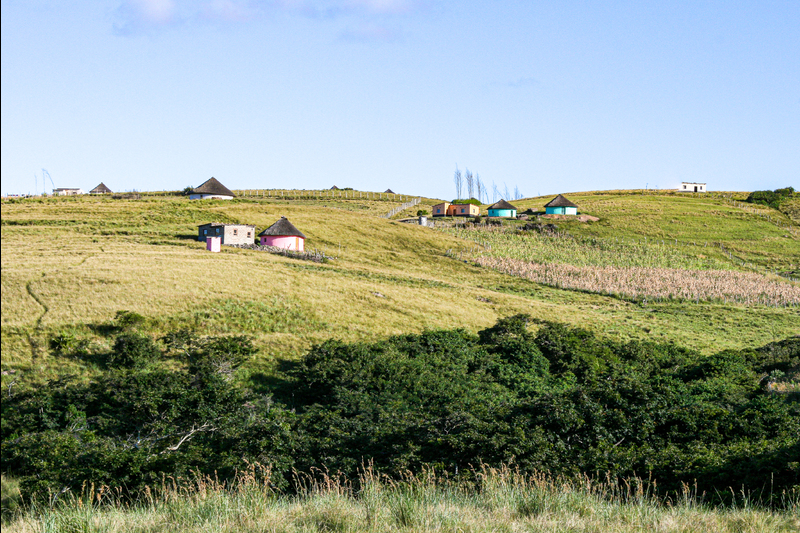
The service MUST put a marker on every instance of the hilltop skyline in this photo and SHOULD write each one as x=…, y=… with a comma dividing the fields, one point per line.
x=377, y=94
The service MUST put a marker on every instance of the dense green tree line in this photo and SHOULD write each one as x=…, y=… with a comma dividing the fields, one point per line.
x=539, y=396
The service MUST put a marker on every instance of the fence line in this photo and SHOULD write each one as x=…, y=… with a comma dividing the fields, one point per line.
x=402, y=207
x=295, y=194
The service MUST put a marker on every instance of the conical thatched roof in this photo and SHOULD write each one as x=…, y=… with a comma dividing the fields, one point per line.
x=212, y=186
x=100, y=189
x=390, y=191
x=502, y=204
x=560, y=201
x=282, y=228
x=334, y=188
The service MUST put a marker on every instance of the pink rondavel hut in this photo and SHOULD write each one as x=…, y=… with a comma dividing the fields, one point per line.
x=284, y=235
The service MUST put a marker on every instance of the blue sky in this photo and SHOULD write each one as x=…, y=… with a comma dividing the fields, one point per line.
x=545, y=96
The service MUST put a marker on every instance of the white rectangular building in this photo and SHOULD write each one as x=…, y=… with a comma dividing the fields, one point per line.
x=687, y=186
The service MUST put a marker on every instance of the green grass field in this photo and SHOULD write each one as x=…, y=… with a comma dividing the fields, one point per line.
x=69, y=264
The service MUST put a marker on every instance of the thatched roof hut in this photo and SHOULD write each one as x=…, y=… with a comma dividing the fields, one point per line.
x=101, y=189
x=283, y=234
x=560, y=205
x=212, y=188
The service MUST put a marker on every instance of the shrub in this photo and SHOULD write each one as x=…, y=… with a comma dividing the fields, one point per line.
x=472, y=201
x=129, y=320
x=421, y=212
x=770, y=198
x=63, y=343
x=133, y=350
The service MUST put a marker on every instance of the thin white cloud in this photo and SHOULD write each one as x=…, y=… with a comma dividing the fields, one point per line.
x=137, y=16
x=228, y=10
x=368, y=16
x=155, y=11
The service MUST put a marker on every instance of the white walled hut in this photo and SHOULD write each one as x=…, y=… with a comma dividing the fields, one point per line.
x=212, y=189
x=690, y=186
x=284, y=235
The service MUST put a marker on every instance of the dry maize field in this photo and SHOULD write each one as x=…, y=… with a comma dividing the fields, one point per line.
x=631, y=270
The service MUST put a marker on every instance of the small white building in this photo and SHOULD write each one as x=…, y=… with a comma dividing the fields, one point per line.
x=68, y=191
x=687, y=186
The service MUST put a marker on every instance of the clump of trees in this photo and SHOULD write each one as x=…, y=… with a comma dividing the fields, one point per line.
x=476, y=189
x=539, y=395
x=772, y=199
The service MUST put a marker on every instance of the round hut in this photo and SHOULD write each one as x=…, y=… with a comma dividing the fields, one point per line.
x=284, y=235
x=560, y=206
x=502, y=209
x=211, y=189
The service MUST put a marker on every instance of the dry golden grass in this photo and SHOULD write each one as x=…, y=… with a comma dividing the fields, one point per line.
x=499, y=500
x=70, y=263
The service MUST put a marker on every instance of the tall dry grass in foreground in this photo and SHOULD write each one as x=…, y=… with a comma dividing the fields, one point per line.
x=655, y=283
x=497, y=500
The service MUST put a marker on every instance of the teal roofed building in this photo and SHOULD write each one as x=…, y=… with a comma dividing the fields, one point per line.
x=560, y=206
x=502, y=209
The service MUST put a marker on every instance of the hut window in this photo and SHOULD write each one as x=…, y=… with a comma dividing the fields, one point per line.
x=248, y=233
x=205, y=232
x=235, y=231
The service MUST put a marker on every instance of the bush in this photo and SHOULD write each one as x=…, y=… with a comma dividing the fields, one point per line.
x=133, y=350
x=770, y=198
x=129, y=320
x=473, y=201
x=421, y=212
x=63, y=343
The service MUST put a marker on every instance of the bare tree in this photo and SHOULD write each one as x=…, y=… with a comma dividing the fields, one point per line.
x=495, y=192
x=517, y=193
x=458, y=180
x=479, y=186
x=505, y=190
x=470, y=182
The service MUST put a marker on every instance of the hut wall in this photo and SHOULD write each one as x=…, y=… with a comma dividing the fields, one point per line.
x=286, y=242
x=508, y=213
x=209, y=197
x=238, y=235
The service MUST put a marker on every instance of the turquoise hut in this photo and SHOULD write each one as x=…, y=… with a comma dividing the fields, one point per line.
x=560, y=206
x=502, y=209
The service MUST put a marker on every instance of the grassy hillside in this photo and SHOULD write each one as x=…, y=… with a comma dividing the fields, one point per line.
x=69, y=264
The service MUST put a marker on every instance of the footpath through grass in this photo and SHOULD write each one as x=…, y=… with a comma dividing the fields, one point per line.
x=70, y=264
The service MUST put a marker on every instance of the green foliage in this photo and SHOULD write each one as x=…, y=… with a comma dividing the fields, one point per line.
x=473, y=201
x=125, y=320
x=422, y=212
x=772, y=199
x=133, y=350
x=63, y=343
x=537, y=394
